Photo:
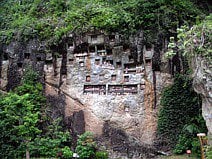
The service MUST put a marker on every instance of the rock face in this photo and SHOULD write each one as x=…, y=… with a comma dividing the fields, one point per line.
x=202, y=83
x=113, y=85
x=98, y=83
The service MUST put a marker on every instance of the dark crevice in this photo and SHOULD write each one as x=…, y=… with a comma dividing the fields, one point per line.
x=154, y=87
x=1, y=58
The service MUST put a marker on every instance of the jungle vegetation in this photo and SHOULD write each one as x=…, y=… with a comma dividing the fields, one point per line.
x=22, y=111
x=52, y=20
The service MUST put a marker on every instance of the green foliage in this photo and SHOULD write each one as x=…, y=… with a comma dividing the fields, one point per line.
x=208, y=152
x=171, y=47
x=183, y=144
x=22, y=113
x=196, y=147
x=86, y=146
x=180, y=106
x=30, y=76
x=194, y=41
x=67, y=153
x=188, y=138
x=52, y=20
x=101, y=155
x=50, y=143
x=19, y=119
x=26, y=126
x=197, y=40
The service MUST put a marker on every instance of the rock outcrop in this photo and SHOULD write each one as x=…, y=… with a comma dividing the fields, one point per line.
x=98, y=83
x=113, y=84
x=202, y=82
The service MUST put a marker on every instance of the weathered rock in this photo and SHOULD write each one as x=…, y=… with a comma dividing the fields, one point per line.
x=112, y=87
x=202, y=82
x=95, y=82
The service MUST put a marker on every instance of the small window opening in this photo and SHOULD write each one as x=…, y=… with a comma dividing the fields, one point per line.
x=109, y=62
x=97, y=61
x=133, y=71
x=104, y=60
x=112, y=37
x=81, y=63
x=92, y=49
x=148, y=61
x=100, y=47
x=126, y=47
x=142, y=86
x=48, y=62
x=118, y=64
x=93, y=37
x=130, y=65
x=71, y=44
x=5, y=57
x=71, y=61
x=109, y=52
x=39, y=59
x=113, y=77
x=148, y=47
x=26, y=55
x=131, y=58
x=88, y=78
x=20, y=64
x=126, y=78
x=64, y=71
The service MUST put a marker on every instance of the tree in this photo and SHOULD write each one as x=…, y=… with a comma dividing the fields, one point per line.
x=19, y=121
x=194, y=41
x=22, y=114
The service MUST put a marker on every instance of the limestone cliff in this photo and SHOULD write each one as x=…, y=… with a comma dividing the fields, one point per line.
x=202, y=82
x=98, y=82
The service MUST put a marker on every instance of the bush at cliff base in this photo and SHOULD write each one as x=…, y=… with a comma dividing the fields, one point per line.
x=180, y=116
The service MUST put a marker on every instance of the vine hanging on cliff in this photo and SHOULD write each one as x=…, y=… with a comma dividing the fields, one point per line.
x=180, y=104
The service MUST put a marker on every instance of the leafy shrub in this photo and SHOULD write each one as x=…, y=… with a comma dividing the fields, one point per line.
x=30, y=76
x=21, y=118
x=196, y=146
x=183, y=144
x=209, y=152
x=188, y=139
x=86, y=146
x=101, y=155
x=67, y=153
x=193, y=41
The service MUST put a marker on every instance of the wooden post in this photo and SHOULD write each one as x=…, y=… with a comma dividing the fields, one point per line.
x=188, y=152
x=200, y=135
x=27, y=154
